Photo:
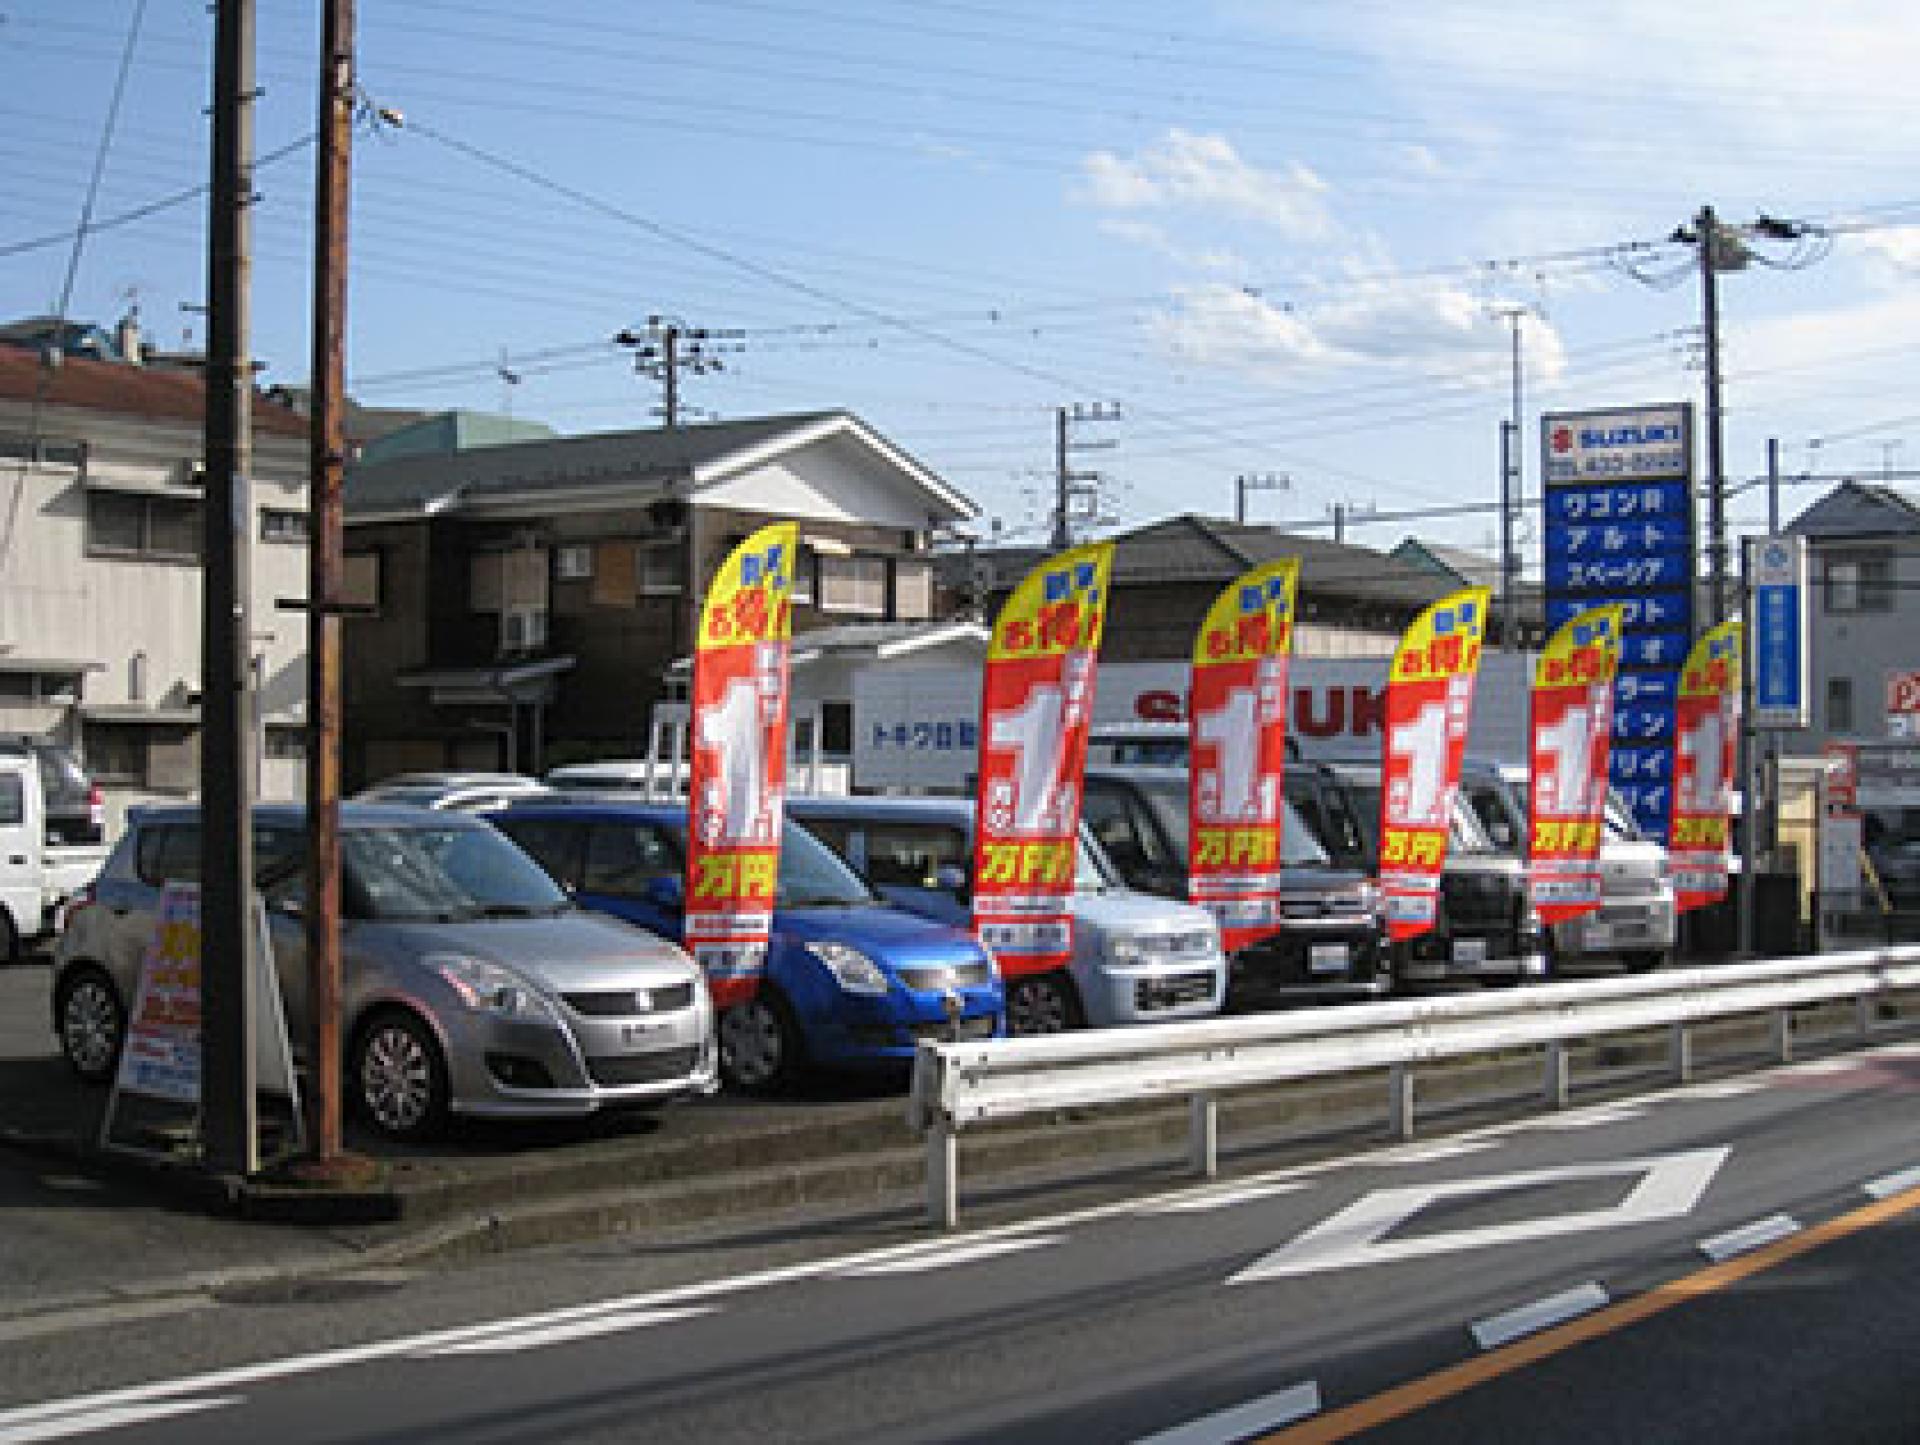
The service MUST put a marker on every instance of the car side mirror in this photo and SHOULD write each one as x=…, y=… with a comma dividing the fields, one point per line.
x=951, y=878
x=665, y=890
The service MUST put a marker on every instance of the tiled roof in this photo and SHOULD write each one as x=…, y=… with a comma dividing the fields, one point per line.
x=124, y=390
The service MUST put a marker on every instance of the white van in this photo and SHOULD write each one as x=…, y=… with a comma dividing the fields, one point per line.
x=39, y=867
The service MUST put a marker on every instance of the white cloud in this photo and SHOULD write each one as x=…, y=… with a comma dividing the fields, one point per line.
x=1439, y=331
x=1894, y=252
x=1155, y=238
x=1205, y=173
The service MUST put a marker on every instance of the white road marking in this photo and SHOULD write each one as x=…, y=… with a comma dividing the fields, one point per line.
x=1819, y=1068
x=512, y=1341
x=1889, y=1184
x=112, y=1417
x=1670, y=1187
x=1224, y=1198
x=1557, y=1309
x=1256, y=1417
x=1749, y=1237
x=1428, y=1153
x=1594, y=1118
x=1724, y=1089
x=965, y=1252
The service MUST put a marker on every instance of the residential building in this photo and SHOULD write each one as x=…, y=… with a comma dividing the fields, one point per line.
x=100, y=570
x=524, y=603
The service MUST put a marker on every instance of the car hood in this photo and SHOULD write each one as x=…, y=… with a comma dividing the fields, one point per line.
x=1123, y=908
x=891, y=937
x=566, y=952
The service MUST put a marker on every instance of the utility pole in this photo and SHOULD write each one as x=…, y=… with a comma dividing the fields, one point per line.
x=1256, y=482
x=1512, y=484
x=325, y=565
x=1068, y=484
x=1709, y=232
x=1339, y=521
x=1773, y=486
x=229, y=1132
x=666, y=347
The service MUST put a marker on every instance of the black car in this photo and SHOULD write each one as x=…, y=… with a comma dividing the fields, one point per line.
x=1486, y=927
x=1330, y=947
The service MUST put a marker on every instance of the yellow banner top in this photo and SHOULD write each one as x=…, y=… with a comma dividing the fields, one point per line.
x=751, y=597
x=1585, y=648
x=1713, y=667
x=1445, y=640
x=1252, y=617
x=1059, y=606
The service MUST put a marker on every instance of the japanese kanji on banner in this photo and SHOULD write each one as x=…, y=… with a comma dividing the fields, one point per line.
x=161, y=1057
x=1572, y=737
x=1237, y=744
x=1429, y=704
x=1705, y=727
x=1035, y=706
x=736, y=789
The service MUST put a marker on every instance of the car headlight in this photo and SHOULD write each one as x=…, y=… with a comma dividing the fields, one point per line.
x=1128, y=948
x=489, y=987
x=851, y=969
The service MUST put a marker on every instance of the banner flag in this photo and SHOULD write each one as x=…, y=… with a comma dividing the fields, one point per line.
x=736, y=786
x=1429, y=704
x=1036, y=704
x=1706, y=724
x=1572, y=732
x=1237, y=747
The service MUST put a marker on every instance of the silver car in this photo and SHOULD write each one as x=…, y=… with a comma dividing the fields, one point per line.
x=472, y=985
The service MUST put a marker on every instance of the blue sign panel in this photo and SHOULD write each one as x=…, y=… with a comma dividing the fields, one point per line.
x=1776, y=652
x=1619, y=528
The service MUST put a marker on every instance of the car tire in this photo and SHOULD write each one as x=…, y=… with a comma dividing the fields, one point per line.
x=92, y=1021
x=761, y=1051
x=1645, y=962
x=399, y=1077
x=1041, y=1003
x=9, y=939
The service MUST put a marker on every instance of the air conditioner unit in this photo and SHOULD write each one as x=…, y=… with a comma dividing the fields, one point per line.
x=523, y=628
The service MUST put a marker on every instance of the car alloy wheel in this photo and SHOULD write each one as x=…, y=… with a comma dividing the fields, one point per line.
x=92, y=1023
x=758, y=1043
x=399, y=1077
x=1039, y=1004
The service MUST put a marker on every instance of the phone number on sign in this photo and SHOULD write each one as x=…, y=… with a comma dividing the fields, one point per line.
x=1664, y=463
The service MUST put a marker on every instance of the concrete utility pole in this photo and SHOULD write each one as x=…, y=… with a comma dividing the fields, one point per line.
x=1256, y=482
x=669, y=346
x=1512, y=484
x=325, y=565
x=228, y=1108
x=1069, y=484
x=1708, y=230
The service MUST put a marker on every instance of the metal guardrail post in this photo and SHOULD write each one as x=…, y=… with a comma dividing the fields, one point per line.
x=1203, y=1135
x=1400, y=1101
x=943, y=1174
x=1680, y=1053
x=1556, y=1090
x=1863, y=1008
x=1783, y=1036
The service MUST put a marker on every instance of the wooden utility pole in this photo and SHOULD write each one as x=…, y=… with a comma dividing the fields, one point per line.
x=325, y=563
x=229, y=1133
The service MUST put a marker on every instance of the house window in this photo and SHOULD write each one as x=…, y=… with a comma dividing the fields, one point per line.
x=574, y=562
x=139, y=755
x=360, y=580
x=660, y=570
x=1859, y=582
x=502, y=581
x=854, y=584
x=279, y=524
x=912, y=591
x=522, y=629
x=803, y=568
x=1839, y=704
x=128, y=524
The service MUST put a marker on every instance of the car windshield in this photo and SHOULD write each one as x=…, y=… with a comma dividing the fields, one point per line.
x=1464, y=836
x=1298, y=847
x=811, y=874
x=1089, y=873
x=442, y=874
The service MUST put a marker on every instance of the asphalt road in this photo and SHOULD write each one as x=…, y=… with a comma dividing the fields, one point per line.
x=1735, y=1259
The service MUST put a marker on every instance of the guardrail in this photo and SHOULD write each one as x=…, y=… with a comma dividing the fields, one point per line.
x=956, y=1085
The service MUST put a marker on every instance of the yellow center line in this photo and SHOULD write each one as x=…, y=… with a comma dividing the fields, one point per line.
x=1430, y=1390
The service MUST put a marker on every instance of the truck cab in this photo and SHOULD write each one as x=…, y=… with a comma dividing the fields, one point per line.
x=50, y=844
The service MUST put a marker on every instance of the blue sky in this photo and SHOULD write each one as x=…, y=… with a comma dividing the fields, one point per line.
x=1280, y=235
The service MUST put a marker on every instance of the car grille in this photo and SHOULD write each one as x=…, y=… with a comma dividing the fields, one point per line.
x=978, y=1027
x=626, y=1002
x=958, y=975
x=654, y=1068
x=1171, y=992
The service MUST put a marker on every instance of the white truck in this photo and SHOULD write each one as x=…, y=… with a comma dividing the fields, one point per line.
x=51, y=844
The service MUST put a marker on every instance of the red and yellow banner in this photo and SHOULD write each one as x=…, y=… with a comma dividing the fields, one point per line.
x=736, y=788
x=1567, y=778
x=1035, y=706
x=1429, y=704
x=1706, y=720
x=1237, y=747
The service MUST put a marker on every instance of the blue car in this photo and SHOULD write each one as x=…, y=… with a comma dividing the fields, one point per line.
x=850, y=982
